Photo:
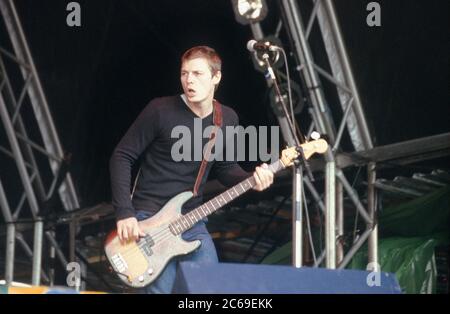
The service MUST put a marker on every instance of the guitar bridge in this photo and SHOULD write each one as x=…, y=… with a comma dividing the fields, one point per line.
x=118, y=261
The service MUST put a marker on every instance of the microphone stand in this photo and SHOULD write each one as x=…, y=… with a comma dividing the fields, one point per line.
x=297, y=176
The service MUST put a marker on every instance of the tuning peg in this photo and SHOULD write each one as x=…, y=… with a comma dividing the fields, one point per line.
x=315, y=135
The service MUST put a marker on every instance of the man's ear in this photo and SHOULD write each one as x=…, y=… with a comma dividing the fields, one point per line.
x=217, y=77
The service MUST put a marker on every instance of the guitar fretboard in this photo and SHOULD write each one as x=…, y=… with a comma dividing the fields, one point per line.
x=186, y=221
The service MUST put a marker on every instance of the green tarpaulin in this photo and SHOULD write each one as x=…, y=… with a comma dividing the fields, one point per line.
x=411, y=259
x=408, y=235
x=424, y=216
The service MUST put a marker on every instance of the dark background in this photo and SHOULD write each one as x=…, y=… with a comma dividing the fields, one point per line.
x=98, y=77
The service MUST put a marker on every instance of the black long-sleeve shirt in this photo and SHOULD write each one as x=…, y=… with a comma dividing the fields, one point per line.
x=160, y=177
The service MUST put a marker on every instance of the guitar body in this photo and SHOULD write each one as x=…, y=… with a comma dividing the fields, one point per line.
x=139, y=263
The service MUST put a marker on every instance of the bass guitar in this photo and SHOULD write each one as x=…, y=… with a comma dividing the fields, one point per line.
x=139, y=263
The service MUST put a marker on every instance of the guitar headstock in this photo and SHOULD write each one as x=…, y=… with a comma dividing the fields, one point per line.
x=288, y=155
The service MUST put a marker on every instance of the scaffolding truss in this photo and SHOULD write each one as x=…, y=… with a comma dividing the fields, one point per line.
x=350, y=108
x=28, y=150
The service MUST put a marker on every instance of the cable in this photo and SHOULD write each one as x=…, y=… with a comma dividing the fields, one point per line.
x=357, y=213
x=291, y=104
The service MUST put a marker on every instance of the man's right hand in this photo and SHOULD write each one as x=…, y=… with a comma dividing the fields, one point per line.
x=128, y=230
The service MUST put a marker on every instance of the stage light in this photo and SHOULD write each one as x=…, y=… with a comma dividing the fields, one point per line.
x=249, y=11
x=298, y=100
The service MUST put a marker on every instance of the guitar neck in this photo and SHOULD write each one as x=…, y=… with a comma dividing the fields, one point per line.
x=186, y=221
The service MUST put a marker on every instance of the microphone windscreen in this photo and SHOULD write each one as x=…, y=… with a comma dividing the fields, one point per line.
x=250, y=44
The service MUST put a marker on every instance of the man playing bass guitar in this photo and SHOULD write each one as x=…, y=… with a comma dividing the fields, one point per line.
x=160, y=176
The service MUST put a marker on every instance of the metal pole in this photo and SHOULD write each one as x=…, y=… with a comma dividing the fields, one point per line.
x=320, y=259
x=51, y=239
x=314, y=194
x=37, y=252
x=20, y=239
x=72, y=239
x=348, y=257
x=257, y=31
x=330, y=215
x=297, y=209
x=83, y=272
x=342, y=125
x=52, y=255
x=353, y=196
x=372, y=205
x=10, y=236
x=339, y=221
x=10, y=247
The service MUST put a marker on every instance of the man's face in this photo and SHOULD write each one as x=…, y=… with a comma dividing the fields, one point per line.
x=197, y=80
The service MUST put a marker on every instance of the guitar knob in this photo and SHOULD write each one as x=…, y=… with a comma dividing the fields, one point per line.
x=315, y=135
x=150, y=271
x=141, y=278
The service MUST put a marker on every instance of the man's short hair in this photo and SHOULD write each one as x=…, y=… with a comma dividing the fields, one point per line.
x=213, y=58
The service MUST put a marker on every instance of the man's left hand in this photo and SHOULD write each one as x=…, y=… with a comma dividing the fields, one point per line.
x=263, y=177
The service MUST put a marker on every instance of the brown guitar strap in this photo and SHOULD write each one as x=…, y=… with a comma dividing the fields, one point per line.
x=217, y=120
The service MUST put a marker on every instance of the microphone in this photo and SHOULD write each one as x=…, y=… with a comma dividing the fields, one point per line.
x=264, y=46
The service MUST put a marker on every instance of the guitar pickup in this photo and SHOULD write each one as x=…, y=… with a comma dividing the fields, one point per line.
x=145, y=248
x=149, y=240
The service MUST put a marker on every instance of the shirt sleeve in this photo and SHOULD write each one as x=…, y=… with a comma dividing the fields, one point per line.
x=141, y=133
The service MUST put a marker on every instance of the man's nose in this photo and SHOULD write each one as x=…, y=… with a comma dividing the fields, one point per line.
x=189, y=77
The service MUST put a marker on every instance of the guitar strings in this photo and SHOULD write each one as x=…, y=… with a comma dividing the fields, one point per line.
x=166, y=231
